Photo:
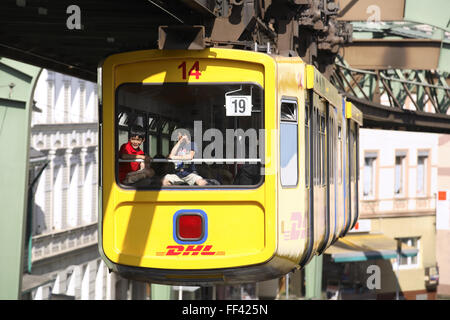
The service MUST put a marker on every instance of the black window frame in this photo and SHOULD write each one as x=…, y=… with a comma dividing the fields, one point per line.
x=171, y=143
x=294, y=101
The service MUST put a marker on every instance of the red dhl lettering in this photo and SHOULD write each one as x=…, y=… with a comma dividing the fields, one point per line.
x=190, y=250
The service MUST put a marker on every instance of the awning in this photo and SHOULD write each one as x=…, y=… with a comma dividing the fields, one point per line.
x=33, y=281
x=352, y=248
x=37, y=157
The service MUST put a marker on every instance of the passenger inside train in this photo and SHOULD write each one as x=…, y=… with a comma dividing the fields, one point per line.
x=185, y=172
x=131, y=172
x=226, y=150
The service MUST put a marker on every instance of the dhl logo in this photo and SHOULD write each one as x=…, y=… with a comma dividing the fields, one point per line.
x=191, y=250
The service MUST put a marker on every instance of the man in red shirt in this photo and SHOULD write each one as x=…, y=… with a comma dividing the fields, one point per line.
x=131, y=172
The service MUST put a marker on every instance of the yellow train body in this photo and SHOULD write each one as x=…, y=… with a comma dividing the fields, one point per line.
x=251, y=234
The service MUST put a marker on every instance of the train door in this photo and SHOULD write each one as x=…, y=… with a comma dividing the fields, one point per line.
x=350, y=176
x=329, y=165
x=308, y=196
x=320, y=171
x=293, y=220
x=357, y=174
x=353, y=173
x=351, y=168
x=332, y=168
x=340, y=221
x=346, y=171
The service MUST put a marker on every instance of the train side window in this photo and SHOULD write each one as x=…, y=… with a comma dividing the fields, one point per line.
x=289, y=143
x=314, y=142
x=317, y=147
x=331, y=153
x=353, y=150
x=307, y=144
x=339, y=173
x=288, y=111
x=153, y=135
x=333, y=144
x=322, y=151
x=350, y=157
x=357, y=153
x=319, y=138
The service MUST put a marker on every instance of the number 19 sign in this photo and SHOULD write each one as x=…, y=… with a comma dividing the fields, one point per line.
x=238, y=105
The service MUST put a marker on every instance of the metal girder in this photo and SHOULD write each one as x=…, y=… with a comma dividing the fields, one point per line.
x=420, y=86
x=407, y=94
x=320, y=35
x=406, y=31
x=420, y=54
x=434, y=13
x=377, y=116
x=369, y=10
x=37, y=31
x=409, y=19
x=17, y=83
x=206, y=7
x=409, y=30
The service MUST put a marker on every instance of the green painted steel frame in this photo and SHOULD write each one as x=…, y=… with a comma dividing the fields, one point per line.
x=313, y=278
x=426, y=85
x=17, y=83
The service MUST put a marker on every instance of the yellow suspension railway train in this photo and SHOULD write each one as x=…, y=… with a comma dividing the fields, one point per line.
x=274, y=141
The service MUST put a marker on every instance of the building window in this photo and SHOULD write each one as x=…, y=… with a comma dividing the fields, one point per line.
x=422, y=162
x=50, y=101
x=409, y=262
x=369, y=174
x=67, y=101
x=72, y=205
x=82, y=101
x=399, y=173
x=57, y=197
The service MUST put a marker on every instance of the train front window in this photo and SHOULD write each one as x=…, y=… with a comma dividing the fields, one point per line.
x=202, y=135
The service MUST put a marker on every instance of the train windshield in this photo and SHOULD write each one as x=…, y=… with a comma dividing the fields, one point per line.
x=189, y=135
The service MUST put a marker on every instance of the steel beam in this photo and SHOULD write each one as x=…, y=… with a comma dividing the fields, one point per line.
x=17, y=83
x=378, y=116
x=369, y=10
x=160, y=292
x=205, y=7
x=375, y=54
x=313, y=278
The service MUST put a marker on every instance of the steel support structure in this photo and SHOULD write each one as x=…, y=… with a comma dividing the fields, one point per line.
x=17, y=83
x=313, y=278
x=407, y=94
x=410, y=34
x=32, y=32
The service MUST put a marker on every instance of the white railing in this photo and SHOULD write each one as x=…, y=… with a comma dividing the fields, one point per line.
x=56, y=243
x=393, y=206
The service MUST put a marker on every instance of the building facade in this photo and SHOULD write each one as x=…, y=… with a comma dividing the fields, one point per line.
x=398, y=184
x=62, y=261
x=443, y=219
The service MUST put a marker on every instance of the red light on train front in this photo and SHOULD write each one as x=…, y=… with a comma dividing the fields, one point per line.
x=190, y=227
